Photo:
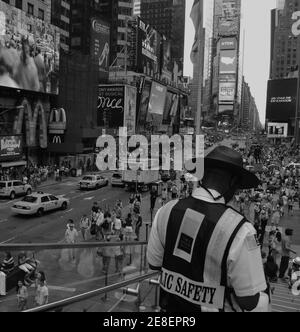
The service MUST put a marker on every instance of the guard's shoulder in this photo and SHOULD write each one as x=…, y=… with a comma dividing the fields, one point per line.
x=238, y=214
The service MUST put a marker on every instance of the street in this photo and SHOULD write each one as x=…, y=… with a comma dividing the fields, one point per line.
x=51, y=227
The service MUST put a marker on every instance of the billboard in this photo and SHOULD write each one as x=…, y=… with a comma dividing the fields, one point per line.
x=149, y=49
x=110, y=107
x=10, y=147
x=157, y=98
x=168, y=108
x=130, y=109
x=167, y=65
x=226, y=92
x=228, y=44
x=29, y=51
x=144, y=104
x=228, y=62
x=281, y=100
x=277, y=130
x=228, y=26
x=100, y=43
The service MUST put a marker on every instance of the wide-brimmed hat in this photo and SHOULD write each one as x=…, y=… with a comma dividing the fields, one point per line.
x=226, y=158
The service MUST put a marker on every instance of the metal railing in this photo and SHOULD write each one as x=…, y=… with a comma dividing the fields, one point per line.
x=58, y=246
x=86, y=296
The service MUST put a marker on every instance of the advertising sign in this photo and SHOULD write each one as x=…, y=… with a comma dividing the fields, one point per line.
x=227, y=92
x=228, y=26
x=30, y=51
x=10, y=146
x=130, y=109
x=166, y=57
x=277, y=130
x=228, y=44
x=149, y=44
x=144, y=103
x=228, y=62
x=100, y=41
x=168, y=108
x=111, y=103
x=281, y=100
x=157, y=98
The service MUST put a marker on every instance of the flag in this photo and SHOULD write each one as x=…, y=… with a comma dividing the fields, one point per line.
x=197, y=18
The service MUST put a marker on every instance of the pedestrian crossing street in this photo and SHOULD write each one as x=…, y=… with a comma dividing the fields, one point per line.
x=283, y=300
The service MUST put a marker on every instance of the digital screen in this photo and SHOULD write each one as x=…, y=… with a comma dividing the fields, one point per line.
x=29, y=52
x=277, y=130
x=228, y=62
x=111, y=103
x=157, y=99
x=281, y=100
x=10, y=146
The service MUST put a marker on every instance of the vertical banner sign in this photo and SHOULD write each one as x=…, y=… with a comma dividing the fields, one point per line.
x=100, y=45
x=144, y=105
x=111, y=102
x=130, y=109
x=149, y=44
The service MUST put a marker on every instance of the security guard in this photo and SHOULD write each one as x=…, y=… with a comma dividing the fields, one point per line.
x=207, y=252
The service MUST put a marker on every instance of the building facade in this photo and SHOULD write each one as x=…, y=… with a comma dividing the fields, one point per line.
x=285, y=47
x=36, y=8
x=249, y=115
x=168, y=17
x=226, y=61
x=60, y=17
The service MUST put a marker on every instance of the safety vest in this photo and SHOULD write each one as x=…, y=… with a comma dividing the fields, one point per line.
x=198, y=241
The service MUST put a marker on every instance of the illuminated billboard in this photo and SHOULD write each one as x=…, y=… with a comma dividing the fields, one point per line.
x=130, y=109
x=227, y=92
x=228, y=27
x=111, y=103
x=29, y=52
x=100, y=42
x=282, y=100
x=277, y=130
x=228, y=44
x=10, y=147
x=157, y=99
x=149, y=49
x=228, y=62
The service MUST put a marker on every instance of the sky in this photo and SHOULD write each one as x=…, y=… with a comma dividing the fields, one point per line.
x=256, y=21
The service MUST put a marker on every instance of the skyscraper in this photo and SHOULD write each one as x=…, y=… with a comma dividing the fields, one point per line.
x=285, y=47
x=168, y=18
x=60, y=16
x=226, y=61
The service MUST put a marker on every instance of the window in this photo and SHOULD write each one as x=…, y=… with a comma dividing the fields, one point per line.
x=19, y=4
x=30, y=9
x=18, y=184
x=45, y=199
x=53, y=198
x=41, y=14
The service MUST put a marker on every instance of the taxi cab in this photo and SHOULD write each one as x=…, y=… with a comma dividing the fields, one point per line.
x=40, y=203
x=93, y=182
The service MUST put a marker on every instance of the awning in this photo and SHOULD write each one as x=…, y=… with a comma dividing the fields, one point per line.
x=13, y=164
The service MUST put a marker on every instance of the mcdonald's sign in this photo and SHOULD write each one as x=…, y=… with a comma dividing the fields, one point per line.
x=35, y=118
x=57, y=140
x=57, y=121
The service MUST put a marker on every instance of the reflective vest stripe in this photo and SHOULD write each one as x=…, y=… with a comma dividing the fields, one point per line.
x=218, y=244
x=164, y=216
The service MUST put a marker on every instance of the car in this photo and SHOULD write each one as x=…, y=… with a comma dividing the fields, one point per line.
x=117, y=180
x=40, y=203
x=12, y=189
x=165, y=176
x=93, y=182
